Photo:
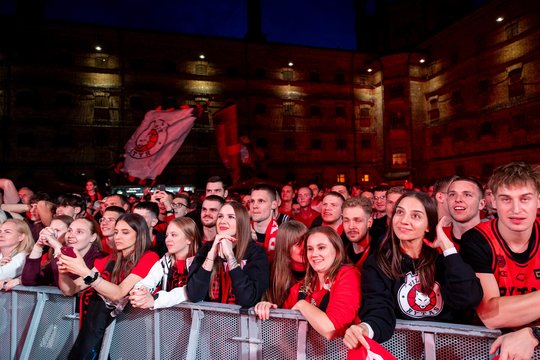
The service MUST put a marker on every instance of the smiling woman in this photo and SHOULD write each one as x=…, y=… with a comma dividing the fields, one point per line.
x=232, y=269
x=329, y=295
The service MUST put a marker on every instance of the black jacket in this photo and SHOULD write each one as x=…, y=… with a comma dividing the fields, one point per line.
x=248, y=283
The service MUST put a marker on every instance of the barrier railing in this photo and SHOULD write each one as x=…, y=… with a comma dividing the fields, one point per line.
x=40, y=323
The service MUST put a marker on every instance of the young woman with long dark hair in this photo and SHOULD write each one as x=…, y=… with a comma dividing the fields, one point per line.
x=287, y=269
x=111, y=279
x=417, y=274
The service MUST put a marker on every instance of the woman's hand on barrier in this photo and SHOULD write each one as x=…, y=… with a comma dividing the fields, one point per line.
x=354, y=336
x=516, y=345
x=262, y=309
x=8, y=284
x=141, y=298
x=74, y=265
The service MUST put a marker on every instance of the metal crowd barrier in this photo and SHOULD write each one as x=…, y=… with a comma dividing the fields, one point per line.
x=40, y=323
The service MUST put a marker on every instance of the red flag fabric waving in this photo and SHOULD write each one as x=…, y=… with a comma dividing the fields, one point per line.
x=376, y=352
x=227, y=141
x=155, y=142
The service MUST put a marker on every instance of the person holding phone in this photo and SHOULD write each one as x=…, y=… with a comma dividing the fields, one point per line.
x=81, y=234
x=417, y=274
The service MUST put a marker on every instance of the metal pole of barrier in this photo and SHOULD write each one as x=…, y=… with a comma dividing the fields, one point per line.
x=244, y=335
x=430, y=352
x=196, y=318
x=34, y=324
x=157, y=335
x=14, y=322
x=255, y=349
x=107, y=340
x=301, y=344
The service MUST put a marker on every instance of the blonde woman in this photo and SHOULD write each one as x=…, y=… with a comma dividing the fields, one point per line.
x=15, y=243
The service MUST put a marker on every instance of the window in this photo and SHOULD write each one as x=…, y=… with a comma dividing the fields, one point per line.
x=314, y=76
x=512, y=30
x=460, y=134
x=201, y=69
x=341, y=178
x=101, y=100
x=399, y=160
x=340, y=77
x=456, y=98
x=364, y=112
x=397, y=91
x=340, y=111
x=397, y=120
x=260, y=109
x=288, y=108
x=486, y=128
x=101, y=114
x=434, y=109
x=289, y=143
x=316, y=144
x=515, y=85
x=365, y=178
x=341, y=144
x=315, y=110
x=287, y=75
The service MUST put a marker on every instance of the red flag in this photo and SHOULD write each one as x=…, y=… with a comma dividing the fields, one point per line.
x=155, y=142
x=376, y=352
x=227, y=141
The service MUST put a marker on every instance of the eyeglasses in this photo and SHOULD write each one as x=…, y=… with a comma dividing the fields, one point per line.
x=178, y=205
x=382, y=197
x=104, y=219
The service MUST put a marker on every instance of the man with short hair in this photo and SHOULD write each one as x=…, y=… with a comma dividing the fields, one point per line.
x=342, y=189
x=315, y=199
x=379, y=201
x=287, y=195
x=331, y=211
x=380, y=225
x=107, y=224
x=25, y=194
x=440, y=189
x=263, y=204
x=216, y=186
x=465, y=199
x=209, y=212
x=306, y=214
x=180, y=205
x=149, y=210
x=72, y=205
x=356, y=224
x=504, y=254
x=117, y=200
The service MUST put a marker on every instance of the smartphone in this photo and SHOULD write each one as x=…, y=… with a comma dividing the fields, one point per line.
x=68, y=251
x=161, y=187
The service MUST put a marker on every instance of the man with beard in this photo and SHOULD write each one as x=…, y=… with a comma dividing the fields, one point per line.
x=356, y=224
x=209, y=212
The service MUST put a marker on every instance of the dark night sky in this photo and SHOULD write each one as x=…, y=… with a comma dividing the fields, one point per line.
x=320, y=23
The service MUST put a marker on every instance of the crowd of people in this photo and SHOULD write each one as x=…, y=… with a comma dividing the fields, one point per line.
x=350, y=260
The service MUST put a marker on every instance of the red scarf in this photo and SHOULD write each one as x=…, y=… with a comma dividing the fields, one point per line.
x=222, y=285
x=270, y=236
